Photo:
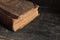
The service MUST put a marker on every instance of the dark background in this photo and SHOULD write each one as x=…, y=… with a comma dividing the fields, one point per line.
x=48, y=3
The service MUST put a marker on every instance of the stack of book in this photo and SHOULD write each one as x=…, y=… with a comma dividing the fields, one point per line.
x=15, y=14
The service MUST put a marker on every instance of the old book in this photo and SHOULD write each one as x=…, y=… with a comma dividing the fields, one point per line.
x=15, y=14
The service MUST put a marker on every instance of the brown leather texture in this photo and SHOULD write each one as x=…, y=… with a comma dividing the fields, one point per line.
x=16, y=7
x=16, y=14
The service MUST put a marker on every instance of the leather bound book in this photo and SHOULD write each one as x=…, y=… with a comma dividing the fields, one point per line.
x=15, y=14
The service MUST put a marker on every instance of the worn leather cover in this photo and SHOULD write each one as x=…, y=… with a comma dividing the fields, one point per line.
x=16, y=14
x=16, y=7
